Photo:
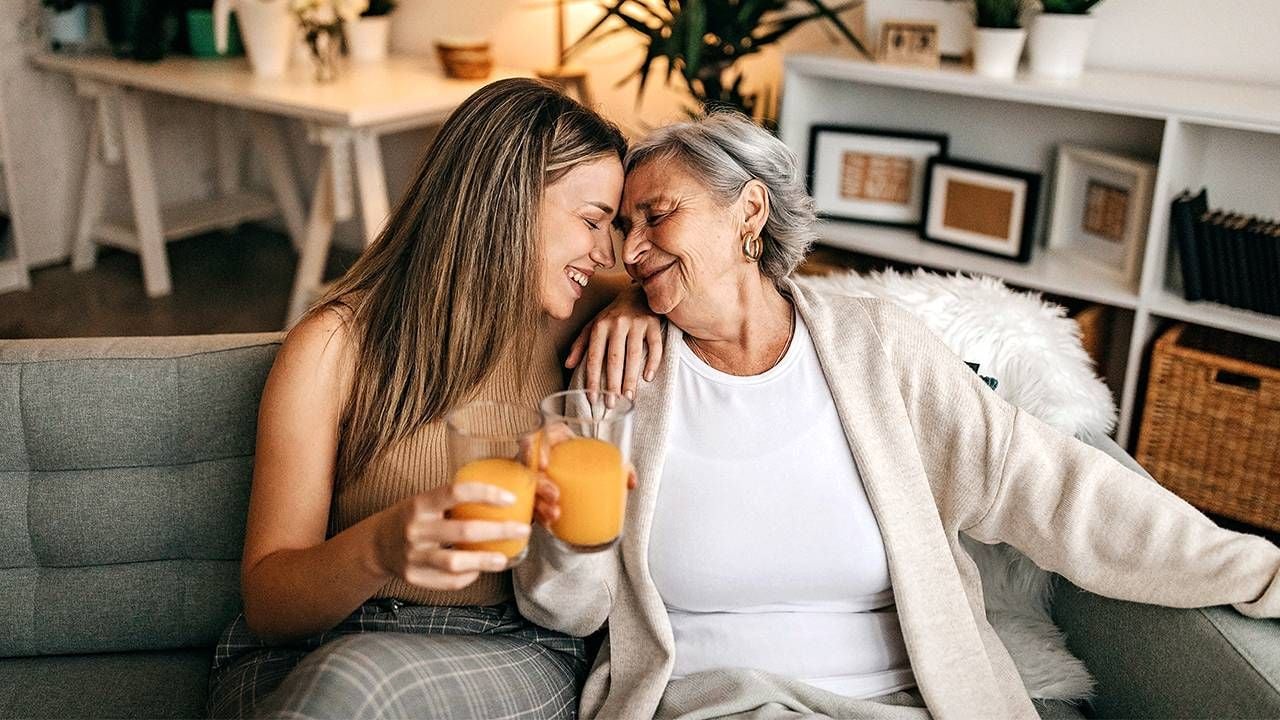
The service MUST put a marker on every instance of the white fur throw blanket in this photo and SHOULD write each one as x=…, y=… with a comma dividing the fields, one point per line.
x=1034, y=351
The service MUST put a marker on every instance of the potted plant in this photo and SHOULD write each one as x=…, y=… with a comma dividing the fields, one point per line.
x=68, y=22
x=998, y=37
x=703, y=41
x=1059, y=38
x=321, y=22
x=369, y=35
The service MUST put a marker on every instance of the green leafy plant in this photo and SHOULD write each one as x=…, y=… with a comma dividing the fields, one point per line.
x=702, y=40
x=998, y=14
x=379, y=7
x=1069, y=7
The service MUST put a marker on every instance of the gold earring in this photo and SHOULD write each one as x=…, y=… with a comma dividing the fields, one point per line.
x=752, y=247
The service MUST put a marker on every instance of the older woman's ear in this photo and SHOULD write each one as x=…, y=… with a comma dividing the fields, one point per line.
x=754, y=200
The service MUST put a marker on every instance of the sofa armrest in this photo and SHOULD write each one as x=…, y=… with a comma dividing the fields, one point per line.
x=1158, y=662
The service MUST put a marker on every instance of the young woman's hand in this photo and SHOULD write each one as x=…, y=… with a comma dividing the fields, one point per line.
x=412, y=539
x=623, y=341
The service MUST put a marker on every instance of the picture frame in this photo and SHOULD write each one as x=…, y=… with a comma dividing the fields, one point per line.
x=1102, y=209
x=981, y=207
x=871, y=175
x=913, y=43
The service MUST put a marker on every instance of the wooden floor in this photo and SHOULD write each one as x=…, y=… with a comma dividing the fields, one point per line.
x=222, y=283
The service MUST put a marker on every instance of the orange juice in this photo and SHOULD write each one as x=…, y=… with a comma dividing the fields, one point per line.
x=593, y=491
x=510, y=476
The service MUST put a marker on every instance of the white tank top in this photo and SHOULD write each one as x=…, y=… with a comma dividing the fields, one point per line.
x=764, y=547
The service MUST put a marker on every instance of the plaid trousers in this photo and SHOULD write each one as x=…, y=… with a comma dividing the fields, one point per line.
x=392, y=660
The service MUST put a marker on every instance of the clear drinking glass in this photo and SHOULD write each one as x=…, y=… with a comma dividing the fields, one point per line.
x=590, y=442
x=484, y=447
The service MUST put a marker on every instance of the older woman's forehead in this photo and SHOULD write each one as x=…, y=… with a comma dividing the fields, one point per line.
x=654, y=178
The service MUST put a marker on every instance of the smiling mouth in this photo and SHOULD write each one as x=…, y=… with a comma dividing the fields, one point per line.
x=581, y=277
x=656, y=273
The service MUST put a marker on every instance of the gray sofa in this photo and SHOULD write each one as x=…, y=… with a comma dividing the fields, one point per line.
x=124, y=476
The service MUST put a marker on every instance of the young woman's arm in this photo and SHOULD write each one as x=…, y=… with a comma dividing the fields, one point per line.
x=296, y=583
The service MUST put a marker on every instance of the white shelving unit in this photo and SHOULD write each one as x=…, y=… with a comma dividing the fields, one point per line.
x=1214, y=134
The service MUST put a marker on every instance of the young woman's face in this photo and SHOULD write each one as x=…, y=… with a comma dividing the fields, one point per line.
x=577, y=231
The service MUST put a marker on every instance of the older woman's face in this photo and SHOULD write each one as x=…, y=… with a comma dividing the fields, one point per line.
x=677, y=239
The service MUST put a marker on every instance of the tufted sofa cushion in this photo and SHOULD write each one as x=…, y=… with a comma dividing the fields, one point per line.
x=125, y=467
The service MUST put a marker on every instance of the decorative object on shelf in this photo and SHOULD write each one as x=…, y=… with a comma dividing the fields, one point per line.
x=321, y=22
x=704, y=41
x=572, y=79
x=1059, y=38
x=1095, y=331
x=953, y=17
x=465, y=58
x=268, y=28
x=369, y=35
x=139, y=29
x=1211, y=421
x=1102, y=208
x=200, y=35
x=998, y=37
x=67, y=22
x=870, y=174
x=1226, y=257
x=980, y=207
x=909, y=42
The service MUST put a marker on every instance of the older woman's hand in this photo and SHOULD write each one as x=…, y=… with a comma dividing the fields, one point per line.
x=546, y=506
x=624, y=340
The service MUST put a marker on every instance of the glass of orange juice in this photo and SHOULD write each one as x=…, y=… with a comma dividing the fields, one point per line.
x=484, y=447
x=589, y=466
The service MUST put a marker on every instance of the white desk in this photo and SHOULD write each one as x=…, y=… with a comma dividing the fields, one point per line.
x=346, y=117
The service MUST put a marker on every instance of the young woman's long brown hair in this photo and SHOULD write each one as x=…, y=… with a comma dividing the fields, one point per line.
x=452, y=281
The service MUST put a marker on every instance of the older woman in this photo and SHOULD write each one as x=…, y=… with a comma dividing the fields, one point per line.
x=806, y=464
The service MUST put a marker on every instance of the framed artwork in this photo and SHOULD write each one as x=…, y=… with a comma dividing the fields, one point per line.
x=870, y=174
x=909, y=42
x=1101, y=208
x=981, y=207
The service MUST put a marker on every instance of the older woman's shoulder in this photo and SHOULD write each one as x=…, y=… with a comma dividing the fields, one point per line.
x=885, y=316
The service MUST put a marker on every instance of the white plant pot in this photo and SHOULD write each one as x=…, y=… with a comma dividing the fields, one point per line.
x=70, y=27
x=367, y=38
x=267, y=28
x=1058, y=44
x=996, y=51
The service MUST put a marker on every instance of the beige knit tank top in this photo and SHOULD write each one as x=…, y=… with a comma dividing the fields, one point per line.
x=420, y=462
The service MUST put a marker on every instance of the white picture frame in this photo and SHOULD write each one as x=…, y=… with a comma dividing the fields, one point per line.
x=1082, y=176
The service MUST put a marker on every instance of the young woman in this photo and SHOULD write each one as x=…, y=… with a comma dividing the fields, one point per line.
x=354, y=603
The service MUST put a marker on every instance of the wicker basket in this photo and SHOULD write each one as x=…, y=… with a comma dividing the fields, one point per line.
x=465, y=60
x=1095, y=327
x=1211, y=427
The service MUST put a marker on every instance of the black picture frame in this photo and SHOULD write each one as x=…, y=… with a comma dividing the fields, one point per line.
x=1030, y=205
x=811, y=163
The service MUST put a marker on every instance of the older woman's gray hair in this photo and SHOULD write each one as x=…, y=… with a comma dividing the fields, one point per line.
x=725, y=150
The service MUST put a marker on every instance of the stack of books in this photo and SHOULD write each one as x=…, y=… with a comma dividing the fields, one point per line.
x=1226, y=257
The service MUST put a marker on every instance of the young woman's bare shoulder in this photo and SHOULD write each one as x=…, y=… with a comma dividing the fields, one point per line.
x=318, y=354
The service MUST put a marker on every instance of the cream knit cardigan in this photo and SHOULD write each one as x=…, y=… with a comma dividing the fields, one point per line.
x=939, y=454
